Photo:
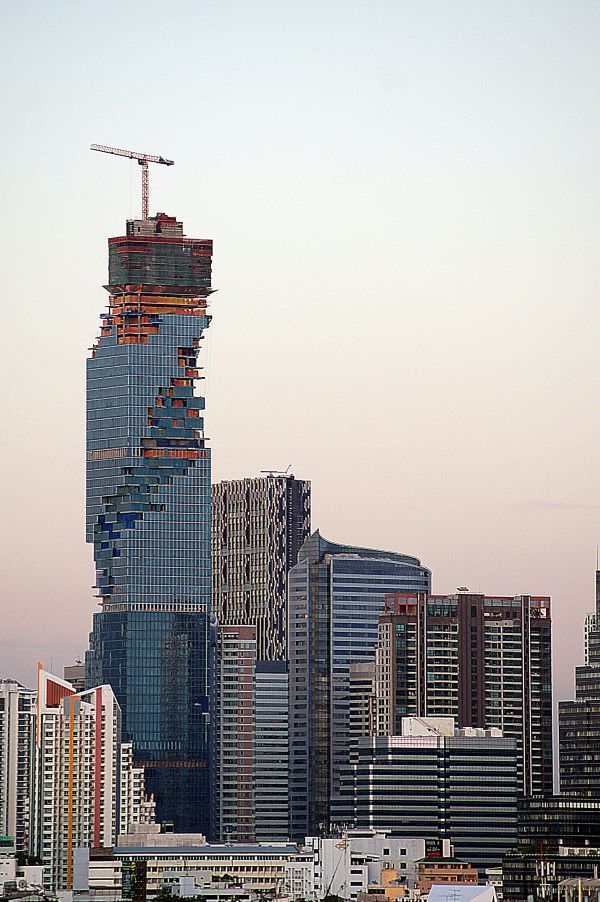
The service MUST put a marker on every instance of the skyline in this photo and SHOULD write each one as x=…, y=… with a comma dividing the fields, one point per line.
x=406, y=233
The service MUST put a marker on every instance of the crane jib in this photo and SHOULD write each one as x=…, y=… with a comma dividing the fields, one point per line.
x=143, y=160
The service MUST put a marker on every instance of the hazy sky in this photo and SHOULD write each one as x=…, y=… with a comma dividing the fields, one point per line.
x=405, y=204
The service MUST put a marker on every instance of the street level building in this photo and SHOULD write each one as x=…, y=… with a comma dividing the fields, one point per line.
x=336, y=595
x=149, y=508
x=352, y=861
x=485, y=661
x=444, y=870
x=258, y=528
x=438, y=782
x=261, y=868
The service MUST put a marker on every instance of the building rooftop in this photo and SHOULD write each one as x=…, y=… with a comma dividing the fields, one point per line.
x=226, y=851
x=461, y=892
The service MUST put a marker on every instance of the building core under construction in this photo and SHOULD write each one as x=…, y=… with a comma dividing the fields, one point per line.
x=149, y=508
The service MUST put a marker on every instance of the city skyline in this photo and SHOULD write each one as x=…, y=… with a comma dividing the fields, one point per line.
x=408, y=282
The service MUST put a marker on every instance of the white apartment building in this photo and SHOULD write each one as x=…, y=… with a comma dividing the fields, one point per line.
x=135, y=807
x=17, y=735
x=81, y=777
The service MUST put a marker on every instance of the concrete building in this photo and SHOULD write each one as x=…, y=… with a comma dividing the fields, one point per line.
x=348, y=864
x=271, y=752
x=233, y=726
x=17, y=743
x=260, y=868
x=250, y=741
x=135, y=807
x=484, y=660
x=258, y=528
x=437, y=782
x=389, y=888
x=362, y=701
x=78, y=776
x=336, y=594
x=444, y=870
x=345, y=865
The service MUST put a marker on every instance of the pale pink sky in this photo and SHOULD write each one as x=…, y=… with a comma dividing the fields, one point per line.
x=404, y=199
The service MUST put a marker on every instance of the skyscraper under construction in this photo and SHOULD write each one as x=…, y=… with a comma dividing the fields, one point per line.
x=149, y=508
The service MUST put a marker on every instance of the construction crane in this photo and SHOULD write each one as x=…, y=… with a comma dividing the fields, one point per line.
x=143, y=159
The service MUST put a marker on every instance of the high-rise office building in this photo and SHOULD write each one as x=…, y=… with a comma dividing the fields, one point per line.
x=579, y=719
x=484, y=660
x=336, y=594
x=250, y=741
x=362, y=700
x=149, y=508
x=233, y=733
x=17, y=738
x=271, y=754
x=437, y=782
x=258, y=528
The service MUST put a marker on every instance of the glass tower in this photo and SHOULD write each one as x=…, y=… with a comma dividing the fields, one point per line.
x=336, y=594
x=149, y=509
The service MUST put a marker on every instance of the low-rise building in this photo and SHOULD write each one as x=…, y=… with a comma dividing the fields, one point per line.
x=200, y=883
x=444, y=870
x=462, y=893
x=391, y=886
x=260, y=868
x=348, y=864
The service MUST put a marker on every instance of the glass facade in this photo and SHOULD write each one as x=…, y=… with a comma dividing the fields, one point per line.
x=336, y=594
x=149, y=509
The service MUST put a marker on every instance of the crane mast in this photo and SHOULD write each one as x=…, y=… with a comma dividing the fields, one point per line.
x=143, y=159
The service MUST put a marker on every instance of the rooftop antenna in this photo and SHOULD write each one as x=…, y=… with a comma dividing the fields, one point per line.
x=143, y=159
